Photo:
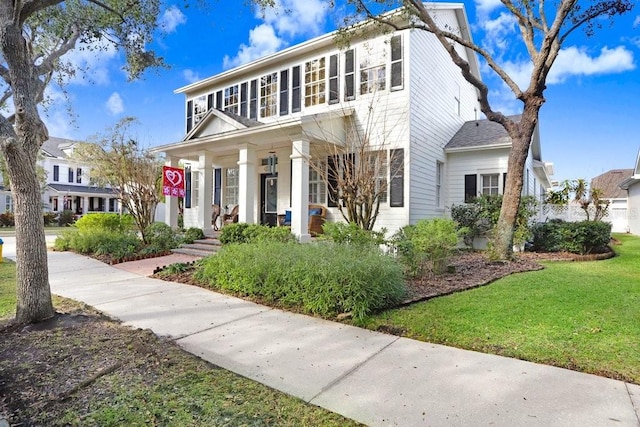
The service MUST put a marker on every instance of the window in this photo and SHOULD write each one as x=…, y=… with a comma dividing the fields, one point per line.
x=231, y=187
x=209, y=101
x=253, y=100
x=231, y=99
x=113, y=205
x=195, y=188
x=470, y=188
x=439, y=172
x=284, y=92
x=70, y=174
x=334, y=91
x=189, y=115
x=378, y=167
x=219, y=105
x=349, y=75
x=373, y=71
x=396, y=63
x=199, y=109
x=396, y=187
x=79, y=176
x=243, y=100
x=317, y=187
x=295, y=90
x=268, y=95
x=314, y=82
x=56, y=173
x=8, y=203
x=489, y=184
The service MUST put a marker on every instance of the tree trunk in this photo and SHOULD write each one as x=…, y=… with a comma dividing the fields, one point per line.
x=521, y=135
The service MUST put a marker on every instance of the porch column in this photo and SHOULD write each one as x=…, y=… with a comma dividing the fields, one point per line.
x=171, y=208
x=205, y=191
x=246, y=183
x=300, y=190
x=85, y=205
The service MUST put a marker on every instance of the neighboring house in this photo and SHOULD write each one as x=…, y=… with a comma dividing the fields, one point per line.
x=68, y=185
x=609, y=184
x=632, y=187
x=252, y=131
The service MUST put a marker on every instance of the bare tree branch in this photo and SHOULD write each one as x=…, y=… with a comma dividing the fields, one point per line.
x=49, y=63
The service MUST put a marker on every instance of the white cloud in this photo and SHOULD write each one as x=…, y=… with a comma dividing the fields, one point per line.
x=486, y=6
x=59, y=123
x=636, y=22
x=262, y=41
x=171, y=19
x=190, y=75
x=114, y=104
x=91, y=62
x=574, y=61
x=286, y=20
x=497, y=32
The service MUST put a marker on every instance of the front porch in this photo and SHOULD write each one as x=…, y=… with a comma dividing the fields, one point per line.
x=261, y=168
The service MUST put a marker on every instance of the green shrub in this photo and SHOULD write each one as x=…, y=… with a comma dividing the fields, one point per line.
x=322, y=279
x=405, y=249
x=240, y=232
x=99, y=242
x=192, y=234
x=471, y=221
x=583, y=237
x=160, y=238
x=342, y=233
x=50, y=218
x=65, y=218
x=106, y=221
x=435, y=238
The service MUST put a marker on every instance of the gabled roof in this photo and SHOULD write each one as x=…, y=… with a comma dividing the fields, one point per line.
x=53, y=147
x=609, y=183
x=481, y=133
x=228, y=122
x=635, y=175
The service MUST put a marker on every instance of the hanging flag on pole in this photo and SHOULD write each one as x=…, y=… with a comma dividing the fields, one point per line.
x=172, y=181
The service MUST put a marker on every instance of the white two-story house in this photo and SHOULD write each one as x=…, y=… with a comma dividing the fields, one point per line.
x=252, y=132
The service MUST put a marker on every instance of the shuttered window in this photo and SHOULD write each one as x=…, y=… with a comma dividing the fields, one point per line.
x=470, y=188
x=349, y=75
x=334, y=91
x=189, y=115
x=284, y=92
x=253, y=100
x=295, y=90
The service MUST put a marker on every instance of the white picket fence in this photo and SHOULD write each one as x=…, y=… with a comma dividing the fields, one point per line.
x=617, y=215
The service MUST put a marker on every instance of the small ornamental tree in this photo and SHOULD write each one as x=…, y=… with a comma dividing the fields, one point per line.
x=590, y=199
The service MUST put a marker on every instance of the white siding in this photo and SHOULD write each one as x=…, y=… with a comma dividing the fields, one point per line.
x=435, y=83
x=633, y=211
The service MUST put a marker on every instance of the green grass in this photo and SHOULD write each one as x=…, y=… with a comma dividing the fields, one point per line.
x=7, y=289
x=579, y=315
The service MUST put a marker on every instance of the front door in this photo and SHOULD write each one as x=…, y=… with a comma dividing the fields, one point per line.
x=269, y=199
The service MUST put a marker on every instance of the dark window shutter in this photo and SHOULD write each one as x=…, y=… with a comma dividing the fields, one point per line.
x=187, y=187
x=396, y=187
x=189, y=115
x=243, y=100
x=504, y=181
x=253, y=100
x=334, y=91
x=295, y=90
x=332, y=181
x=470, y=188
x=217, y=186
x=284, y=92
x=209, y=101
x=219, y=105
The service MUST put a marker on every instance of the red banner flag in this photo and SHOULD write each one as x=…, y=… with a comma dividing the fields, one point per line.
x=172, y=181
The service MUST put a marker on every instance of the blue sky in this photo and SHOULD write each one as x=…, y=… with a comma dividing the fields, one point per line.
x=593, y=95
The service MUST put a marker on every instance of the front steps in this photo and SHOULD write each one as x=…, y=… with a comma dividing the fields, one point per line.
x=201, y=248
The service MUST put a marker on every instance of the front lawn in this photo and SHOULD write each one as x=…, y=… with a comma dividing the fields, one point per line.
x=578, y=315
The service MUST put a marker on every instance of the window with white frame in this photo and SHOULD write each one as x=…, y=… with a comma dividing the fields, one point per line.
x=8, y=203
x=378, y=170
x=199, y=108
x=314, y=82
x=317, y=186
x=195, y=187
x=397, y=78
x=269, y=95
x=489, y=184
x=231, y=99
x=373, y=70
x=231, y=185
x=439, y=175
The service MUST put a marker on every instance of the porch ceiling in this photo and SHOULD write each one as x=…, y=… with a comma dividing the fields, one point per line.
x=324, y=127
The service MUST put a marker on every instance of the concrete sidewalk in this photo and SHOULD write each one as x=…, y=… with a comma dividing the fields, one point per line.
x=377, y=379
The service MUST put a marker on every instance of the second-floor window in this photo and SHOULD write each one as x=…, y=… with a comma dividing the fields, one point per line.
x=79, y=176
x=56, y=173
x=269, y=95
x=314, y=82
x=199, y=108
x=373, y=69
x=231, y=99
x=70, y=174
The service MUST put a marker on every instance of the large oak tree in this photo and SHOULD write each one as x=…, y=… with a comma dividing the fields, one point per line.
x=34, y=36
x=544, y=28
